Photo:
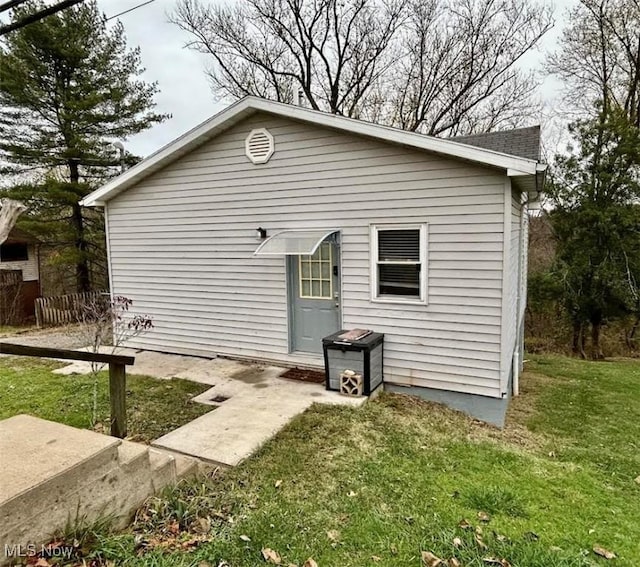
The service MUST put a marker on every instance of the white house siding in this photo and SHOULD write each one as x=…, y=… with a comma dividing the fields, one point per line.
x=29, y=267
x=181, y=246
x=512, y=279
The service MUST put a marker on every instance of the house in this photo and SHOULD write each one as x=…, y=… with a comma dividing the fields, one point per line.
x=270, y=226
x=19, y=257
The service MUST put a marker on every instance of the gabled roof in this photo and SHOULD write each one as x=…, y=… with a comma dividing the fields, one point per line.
x=513, y=165
x=19, y=236
x=524, y=142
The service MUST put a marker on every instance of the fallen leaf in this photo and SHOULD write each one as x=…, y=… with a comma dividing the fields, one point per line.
x=602, y=552
x=637, y=479
x=464, y=524
x=278, y=483
x=351, y=494
x=430, y=560
x=484, y=517
x=42, y=562
x=201, y=526
x=205, y=564
x=245, y=537
x=271, y=556
x=453, y=562
x=333, y=535
x=495, y=561
x=394, y=549
x=375, y=558
x=310, y=563
x=480, y=542
x=457, y=542
x=174, y=527
x=500, y=537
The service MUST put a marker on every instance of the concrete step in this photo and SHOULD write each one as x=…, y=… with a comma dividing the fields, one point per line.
x=44, y=461
x=53, y=474
x=133, y=456
x=186, y=467
x=163, y=469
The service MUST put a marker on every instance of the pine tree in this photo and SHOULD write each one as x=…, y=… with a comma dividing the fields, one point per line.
x=69, y=88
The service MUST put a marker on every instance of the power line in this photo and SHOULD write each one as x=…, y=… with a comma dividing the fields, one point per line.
x=129, y=10
x=36, y=16
x=11, y=4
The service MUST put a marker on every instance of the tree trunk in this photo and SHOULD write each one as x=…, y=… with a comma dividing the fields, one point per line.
x=578, y=339
x=596, y=350
x=83, y=281
x=631, y=334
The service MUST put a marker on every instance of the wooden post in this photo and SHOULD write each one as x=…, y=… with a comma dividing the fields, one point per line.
x=117, y=396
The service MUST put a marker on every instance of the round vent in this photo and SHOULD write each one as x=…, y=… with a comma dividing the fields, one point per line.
x=259, y=145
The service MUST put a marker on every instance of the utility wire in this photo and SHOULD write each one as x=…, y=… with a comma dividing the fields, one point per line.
x=129, y=10
x=37, y=16
x=11, y=4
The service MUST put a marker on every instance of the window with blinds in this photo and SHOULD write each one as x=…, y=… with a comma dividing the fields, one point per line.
x=399, y=263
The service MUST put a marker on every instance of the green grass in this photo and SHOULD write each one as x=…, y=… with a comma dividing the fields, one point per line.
x=154, y=407
x=380, y=484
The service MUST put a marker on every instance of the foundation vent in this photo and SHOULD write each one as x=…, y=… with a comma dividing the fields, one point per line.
x=259, y=145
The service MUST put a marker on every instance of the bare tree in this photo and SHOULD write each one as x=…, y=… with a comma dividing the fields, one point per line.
x=437, y=66
x=459, y=71
x=599, y=57
x=331, y=51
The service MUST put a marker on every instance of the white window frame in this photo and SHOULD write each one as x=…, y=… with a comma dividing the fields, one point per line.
x=375, y=297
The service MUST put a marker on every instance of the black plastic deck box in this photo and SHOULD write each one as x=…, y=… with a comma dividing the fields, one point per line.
x=364, y=356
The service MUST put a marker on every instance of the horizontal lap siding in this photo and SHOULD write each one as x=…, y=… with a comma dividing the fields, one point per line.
x=182, y=243
x=511, y=314
x=29, y=267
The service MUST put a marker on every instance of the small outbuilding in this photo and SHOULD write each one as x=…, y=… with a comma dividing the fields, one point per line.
x=19, y=276
x=271, y=226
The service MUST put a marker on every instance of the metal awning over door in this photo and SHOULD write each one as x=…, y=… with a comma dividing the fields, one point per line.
x=293, y=242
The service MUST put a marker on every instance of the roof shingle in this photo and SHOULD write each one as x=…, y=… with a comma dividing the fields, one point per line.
x=523, y=142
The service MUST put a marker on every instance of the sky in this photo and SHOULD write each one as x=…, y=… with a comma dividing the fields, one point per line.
x=184, y=91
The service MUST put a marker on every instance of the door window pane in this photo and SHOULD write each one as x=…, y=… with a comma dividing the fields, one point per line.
x=315, y=273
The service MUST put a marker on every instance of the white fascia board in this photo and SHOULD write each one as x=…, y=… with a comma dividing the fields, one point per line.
x=224, y=119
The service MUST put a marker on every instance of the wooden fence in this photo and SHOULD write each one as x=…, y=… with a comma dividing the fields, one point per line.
x=64, y=309
x=11, y=312
x=117, y=376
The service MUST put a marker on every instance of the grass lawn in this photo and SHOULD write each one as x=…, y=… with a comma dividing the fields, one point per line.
x=154, y=407
x=382, y=484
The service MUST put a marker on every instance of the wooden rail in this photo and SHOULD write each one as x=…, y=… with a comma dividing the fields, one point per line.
x=117, y=376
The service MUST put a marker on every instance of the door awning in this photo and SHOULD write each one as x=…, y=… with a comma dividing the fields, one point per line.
x=293, y=242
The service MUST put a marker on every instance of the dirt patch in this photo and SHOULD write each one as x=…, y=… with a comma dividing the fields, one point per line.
x=303, y=375
x=66, y=337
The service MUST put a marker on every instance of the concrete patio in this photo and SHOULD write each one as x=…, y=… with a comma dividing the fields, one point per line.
x=251, y=403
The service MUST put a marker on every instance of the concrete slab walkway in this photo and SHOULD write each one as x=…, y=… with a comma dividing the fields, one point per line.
x=252, y=403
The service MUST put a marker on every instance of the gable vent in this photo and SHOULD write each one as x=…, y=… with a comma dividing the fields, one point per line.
x=259, y=145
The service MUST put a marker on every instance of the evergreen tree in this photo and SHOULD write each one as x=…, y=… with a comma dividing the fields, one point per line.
x=595, y=190
x=69, y=88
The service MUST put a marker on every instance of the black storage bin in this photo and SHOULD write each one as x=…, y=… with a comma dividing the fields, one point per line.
x=363, y=356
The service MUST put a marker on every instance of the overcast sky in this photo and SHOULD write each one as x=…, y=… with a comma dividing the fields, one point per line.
x=184, y=90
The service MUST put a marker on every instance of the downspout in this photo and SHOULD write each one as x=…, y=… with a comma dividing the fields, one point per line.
x=515, y=383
